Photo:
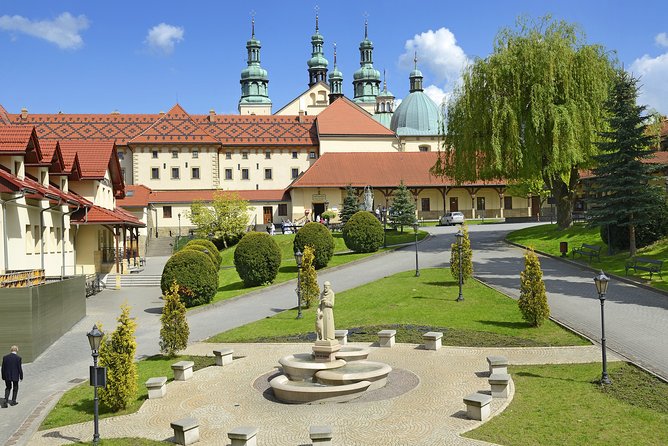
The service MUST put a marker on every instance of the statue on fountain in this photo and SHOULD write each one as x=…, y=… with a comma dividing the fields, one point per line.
x=325, y=314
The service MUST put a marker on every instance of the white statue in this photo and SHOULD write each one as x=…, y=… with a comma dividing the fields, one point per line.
x=368, y=199
x=325, y=314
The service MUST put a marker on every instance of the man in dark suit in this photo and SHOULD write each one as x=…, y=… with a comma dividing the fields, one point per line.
x=12, y=372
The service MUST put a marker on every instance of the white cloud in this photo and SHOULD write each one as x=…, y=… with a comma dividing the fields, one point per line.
x=63, y=30
x=163, y=37
x=661, y=39
x=437, y=94
x=653, y=72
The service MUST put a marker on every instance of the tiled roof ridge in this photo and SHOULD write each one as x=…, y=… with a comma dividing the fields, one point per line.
x=344, y=117
x=175, y=123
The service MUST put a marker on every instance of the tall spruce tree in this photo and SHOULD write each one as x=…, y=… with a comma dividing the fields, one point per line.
x=403, y=207
x=622, y=193
x=350, y=204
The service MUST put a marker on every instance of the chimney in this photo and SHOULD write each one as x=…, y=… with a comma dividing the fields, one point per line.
x=24, y=113
x=301, y=116
x=161, y=113
x=115, y=112
x=212, y=115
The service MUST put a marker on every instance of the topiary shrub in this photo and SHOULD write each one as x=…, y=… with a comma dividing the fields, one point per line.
x=257, y=258
x=204, y=250
x=533, y=300
x=175, y=331
x=310, y=292
x=117, y=353
x=210, y=246
x=467, y=257
x=319, y=238
x=194, y=273
x=363, y=232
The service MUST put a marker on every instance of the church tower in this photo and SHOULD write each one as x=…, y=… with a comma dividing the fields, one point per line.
x=254, y=81
x=384, y=105
x=335, y=81
x=366, y=80
x=317, y=64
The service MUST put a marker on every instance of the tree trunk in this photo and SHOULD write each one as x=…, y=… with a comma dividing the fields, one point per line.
x=564, y=203
x=632, y=240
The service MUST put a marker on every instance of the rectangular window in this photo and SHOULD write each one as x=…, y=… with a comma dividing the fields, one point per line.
x=282, y=210
x=155, y=173
x=195, y=153
x=267, y=154
x=228, y=155
x=195, y=173
x=166, y=212
x=425, y=204
x=424, y=148
x=155, y=154
x=311, y=155
x=228, y=174
x=480, y=203
x=244, y=155
x=175, y=173
x=121, y=155
x=267, y=174
x=507, y=202
x=175, y=153
x=244, y=174
x=294, y=155
x=294, y=172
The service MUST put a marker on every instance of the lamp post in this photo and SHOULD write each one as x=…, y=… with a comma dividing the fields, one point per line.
x=417, y=268
x=298, y=258
x=601, y=281
x=179, y=226
x=384, y=227
x=460, y=244
x=94, y=339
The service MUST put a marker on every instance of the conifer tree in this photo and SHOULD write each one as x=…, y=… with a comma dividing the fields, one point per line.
x=403, y=207
x=310, y=293
x=622, y=193
x=350, y=205
x=174, y=332
x=533, y=300
x=467, y=257
x=117, y=353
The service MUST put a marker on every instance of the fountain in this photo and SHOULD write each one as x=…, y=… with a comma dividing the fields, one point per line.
x=330, y=373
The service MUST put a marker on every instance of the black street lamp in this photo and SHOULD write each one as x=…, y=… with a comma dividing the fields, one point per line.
x=601, y=281
x=179, y=226
x=94, y=339
x=417, y=268
x=384, y=227
x=298, y=258
x=460, y=245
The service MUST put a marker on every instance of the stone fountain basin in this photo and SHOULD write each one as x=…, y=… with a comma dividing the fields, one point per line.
x=305, y=392
x=350, y=353
x=356, y=371
x=302, y=366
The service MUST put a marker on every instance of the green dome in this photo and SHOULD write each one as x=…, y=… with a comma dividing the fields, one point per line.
x=254, y=72
x=416, y=115
x=335, y=74
x=367, y=72
x=317, y=61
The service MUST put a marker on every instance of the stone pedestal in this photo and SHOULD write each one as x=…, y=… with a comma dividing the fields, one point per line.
x=341, y=336
x=321, y=435
x=325, y=351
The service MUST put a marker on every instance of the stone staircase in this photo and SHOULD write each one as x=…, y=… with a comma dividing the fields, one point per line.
x=133, y=280
x=161, y=246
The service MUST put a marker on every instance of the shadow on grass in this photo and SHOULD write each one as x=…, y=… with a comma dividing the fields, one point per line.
x=507, y=324
x=535, y=375
x=288, y=269
x=232, y=286
x=441, y=284
x=440, y=299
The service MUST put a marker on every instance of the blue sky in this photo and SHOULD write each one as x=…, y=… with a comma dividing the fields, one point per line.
x=140, y=56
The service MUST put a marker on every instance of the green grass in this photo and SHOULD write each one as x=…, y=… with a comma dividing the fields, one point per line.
x=564, y=405
x=76, y=405
x=546, y=238
x=429, y=301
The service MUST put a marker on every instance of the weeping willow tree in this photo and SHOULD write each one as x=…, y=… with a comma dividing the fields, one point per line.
x=529, y=111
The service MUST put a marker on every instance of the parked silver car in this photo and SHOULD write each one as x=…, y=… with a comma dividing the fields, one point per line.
x=452, y=218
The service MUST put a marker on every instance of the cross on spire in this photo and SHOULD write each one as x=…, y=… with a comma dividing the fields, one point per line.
x=334, y=53
x=384, y=81
x=317, y=9
x=415, y=59
x=366, y=25
x=252, y=13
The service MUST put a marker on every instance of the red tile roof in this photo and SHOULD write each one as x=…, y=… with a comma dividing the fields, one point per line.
x=375, y=169
x=256, y=130
x=174, y=127
x=94, y=156
x=136, y=195
x=188, y=196
x=16, y=139
x=99, y=215
x=344, y=117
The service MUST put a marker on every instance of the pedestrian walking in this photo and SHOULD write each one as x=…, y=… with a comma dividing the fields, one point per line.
x=12, y=373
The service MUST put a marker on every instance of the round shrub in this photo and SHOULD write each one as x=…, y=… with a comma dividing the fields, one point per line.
x=204, y=250
x=210, y=246
x=317, y=236
x=257, y=258
x=195, y=274
x=363, y=232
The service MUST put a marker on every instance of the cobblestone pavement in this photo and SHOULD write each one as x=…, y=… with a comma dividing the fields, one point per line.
x=223, y=398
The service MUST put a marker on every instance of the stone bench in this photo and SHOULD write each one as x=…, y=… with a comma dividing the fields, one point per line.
x=477, y=406
x=321, y=435
x=499, y=383
x=386, y=338
x=224, y=356
x=243, y=436
x=186, y=431
x=432, y=340
x=341, y=336
x=157, y=387
x=183, y=370
x=497, y=364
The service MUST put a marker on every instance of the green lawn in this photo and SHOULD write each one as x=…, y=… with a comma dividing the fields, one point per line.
x=485, y=317
x=563, y=405
x=546, y=238
x=76, y=405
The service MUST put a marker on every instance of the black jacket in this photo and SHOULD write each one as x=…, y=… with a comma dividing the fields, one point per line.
x=11, y=367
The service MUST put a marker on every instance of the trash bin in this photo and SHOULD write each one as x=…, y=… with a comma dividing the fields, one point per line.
x=563, y=248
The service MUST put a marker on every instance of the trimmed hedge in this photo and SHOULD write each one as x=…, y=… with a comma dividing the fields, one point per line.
x=319, y=238
x=204, y=250
x=210, y=246
x=363, y=232
x=257, y=259
x=195, y=274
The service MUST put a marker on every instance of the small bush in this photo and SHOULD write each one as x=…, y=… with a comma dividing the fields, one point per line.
x=257, y=259
x=363, y=232
x=210, y=246
x=467, y=257
x=194, y=273
x=204, y=250
x=319, y=238
x=533, y=300
x=310, y=292
x=117, y=353
x=174, y=332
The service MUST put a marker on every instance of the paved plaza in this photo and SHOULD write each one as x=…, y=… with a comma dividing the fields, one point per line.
x=222, y=398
